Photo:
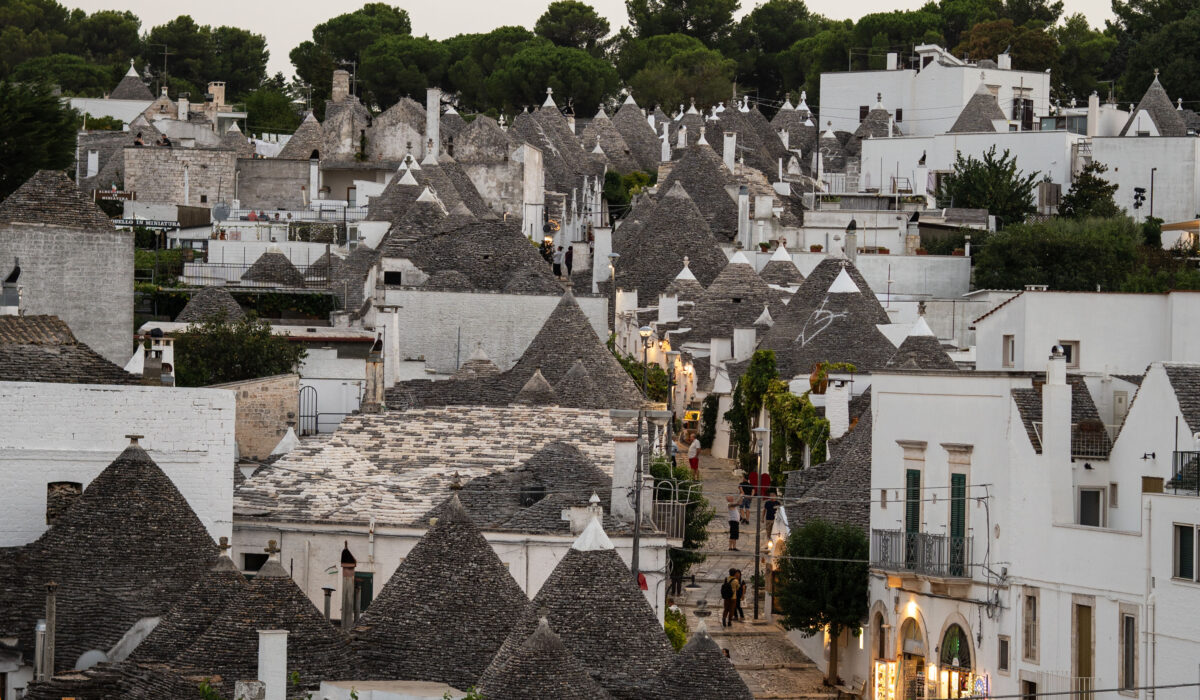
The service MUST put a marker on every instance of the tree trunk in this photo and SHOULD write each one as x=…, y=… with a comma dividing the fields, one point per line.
x=831, y=671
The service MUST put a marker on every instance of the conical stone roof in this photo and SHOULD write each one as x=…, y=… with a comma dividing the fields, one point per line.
x=700, y=671
x=445, y=611
x=576, y=389
x=602, y=617
x=653, y=255
x=236, y=141
x=308, y=139
x=979, y=113
x=832, y=317
x=272, y=601
x=618, y=153
x=465, y=187
x=131, y=87
x=735, y=299
x=541, y=667
x=397, y=196
x=567, y=338
x=705, y=177
x=537, y=392
x=192, y=614
x=128, y=548
x=921, y=350
x=780, y=270
x=210, y=302
x=50, y=198
x=1168, y=120
x=685, y=286
x=639, y=135
x=273, y=267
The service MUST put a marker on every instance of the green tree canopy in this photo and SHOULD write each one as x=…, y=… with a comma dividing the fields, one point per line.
x=109, y=36
x=572, y=24
x=1090, y=196
x=346, y=36
x=823, y=579
x=1031, y=48
x=671, y=69
x=1066, y=254
x=216, y=351
x=992, y=183
x=474, y=57
x=1174, y=52
x=74, y=75
x=574, y=75
x=269, y=108
x=200, y=53
x=1083, y=54
x=759, y=41
x=707, y=20
x=396, y=66
x=37, y=132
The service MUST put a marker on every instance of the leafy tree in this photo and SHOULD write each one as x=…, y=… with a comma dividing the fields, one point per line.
x=822, y=584
x=37, y=131
x=314, y=73
x=575, y=76
x=239, y=59
x=474, y=57
x=396, y=66
x=992, y=183
x=656, y=376
x=670, y=69
x=760, y=39
x=1174, y=51
x=1066, y=254
x=74, y=75
x=217, y=351
x=619, y=189
x=200, y=53
x=31, y=28
x=708, y=420
x=1083, y=53
x=803, y=63
x=1090, y=196
x=270, y=109
x=707, y=20
x=958, y=16
x=1032, y=48
x=1022, y=12
x=346, y=36
x=109, y=36
x=572, y=24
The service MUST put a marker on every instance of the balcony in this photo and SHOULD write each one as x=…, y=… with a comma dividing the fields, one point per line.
x=921, y=553
x=1089, y=439
x=1185, y=474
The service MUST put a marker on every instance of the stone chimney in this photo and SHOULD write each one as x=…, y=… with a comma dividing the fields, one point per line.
x=624, y=476
x=272, y=663
x=729, y=150
x=184, y=107
x=743, y=343
x=665, y=151
x=851, y=246
x=341, y=86
x=217, y=90
x=349, y=563
x=433, y=120
x=1055, y=436
x=580, y=516
x=668, y=308
x=373, y=393
x=681, y=137
x=743, y=204
x=837, y=407
x=1093, y=115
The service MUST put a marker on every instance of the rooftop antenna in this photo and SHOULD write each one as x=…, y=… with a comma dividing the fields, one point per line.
x=166, y=51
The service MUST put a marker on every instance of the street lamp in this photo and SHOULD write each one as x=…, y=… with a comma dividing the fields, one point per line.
x=645, y=332
x=760, y=435
x=640, y=414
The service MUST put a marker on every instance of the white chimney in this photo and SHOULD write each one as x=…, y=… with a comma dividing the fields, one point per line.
x=852, y=246
x=729, y=154
x=785, y=137
x=743, y=227
x=720, y=349
x=681, y=136
x=433, y=120
x=580, y=516
x=1056, y=436
x=665, y=152
x=624, y=475
x=743, y=343
x=837, y=407
x=183, y=109
x=272, y=662
x=668, y=308
x=1004, y=61
x=1093, y=117
x=893, y=61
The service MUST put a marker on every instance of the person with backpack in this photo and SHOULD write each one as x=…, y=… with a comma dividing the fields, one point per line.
x=729, y=599
x=739, y=592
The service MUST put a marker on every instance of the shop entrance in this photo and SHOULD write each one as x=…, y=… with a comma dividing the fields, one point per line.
x=955, y=678
x=912, y=661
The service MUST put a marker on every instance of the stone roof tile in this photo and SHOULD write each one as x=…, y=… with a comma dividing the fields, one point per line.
x=43, y=349
x=541, y=667
x=51, y=199
x=1155, y=102
x=210, y=302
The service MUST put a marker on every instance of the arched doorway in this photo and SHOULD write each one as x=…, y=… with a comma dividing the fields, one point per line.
x=955, y=672
x=911, y=661
x=884, y=669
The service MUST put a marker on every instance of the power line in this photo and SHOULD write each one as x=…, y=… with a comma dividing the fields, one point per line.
x=1059, y=693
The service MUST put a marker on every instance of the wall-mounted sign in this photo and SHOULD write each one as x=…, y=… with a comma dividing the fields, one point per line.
x=146, y=223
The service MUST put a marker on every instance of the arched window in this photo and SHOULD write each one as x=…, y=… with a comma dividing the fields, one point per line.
x=880, y=637
x=956, y=649
x=913, y=642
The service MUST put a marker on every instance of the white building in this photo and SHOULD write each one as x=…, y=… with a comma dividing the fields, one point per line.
x=927, y=97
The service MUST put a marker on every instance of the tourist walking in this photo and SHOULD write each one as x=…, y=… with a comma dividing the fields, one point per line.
x=739, y=592
x=728, y=599
x=694, y=456
x=558, y=262
x=747, y=491
x=568, y=259
x=734, y=521
x=770, y=505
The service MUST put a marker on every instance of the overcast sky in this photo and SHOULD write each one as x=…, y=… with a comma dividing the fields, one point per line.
x=286, y=23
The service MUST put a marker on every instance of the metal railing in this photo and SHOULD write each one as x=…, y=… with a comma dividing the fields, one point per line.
x=202, y=274
x=1088, y=438
x=671, y=518
x=1185, y=474
x=925, y=553
x=1062, y=683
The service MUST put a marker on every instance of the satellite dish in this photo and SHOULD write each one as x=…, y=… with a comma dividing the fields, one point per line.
x=220, y=211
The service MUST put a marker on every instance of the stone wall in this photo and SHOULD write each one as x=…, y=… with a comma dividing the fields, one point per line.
x=197, y=177
x=71, y=432
x=271, y=183
x=83, y=277
x=264, y=407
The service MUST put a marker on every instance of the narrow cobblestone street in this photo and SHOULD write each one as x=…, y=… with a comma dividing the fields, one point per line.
x=770, y=665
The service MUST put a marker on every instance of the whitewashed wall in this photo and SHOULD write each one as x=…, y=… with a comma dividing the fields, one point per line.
x=1176, y=180
x=71, y=432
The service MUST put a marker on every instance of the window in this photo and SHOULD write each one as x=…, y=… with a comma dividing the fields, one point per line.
x=1002, y=651
x=394, y=277
x=1010, y=350
x=1127, y=674
x=253, y=562
x=1029, y=628
x=863, y=110
x=899, y=114
x=1091, y=507
x=883, y=499
x=203, y=199
x=1112, y=495
x=1185, y=552
x=1071, y=352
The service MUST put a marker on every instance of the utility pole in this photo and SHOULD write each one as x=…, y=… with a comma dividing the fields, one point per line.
x=635, y=560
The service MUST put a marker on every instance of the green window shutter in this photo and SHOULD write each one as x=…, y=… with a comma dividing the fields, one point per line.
x=1185, y=552
x=958, y=505
x=912, y=505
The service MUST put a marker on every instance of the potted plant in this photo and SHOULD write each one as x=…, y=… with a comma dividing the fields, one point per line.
x=816, y=248
x=764, y=246
x=884, y=251
x=959, y=251
x=922, y=251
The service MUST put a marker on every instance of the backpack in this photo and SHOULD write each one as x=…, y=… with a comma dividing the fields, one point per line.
x=726, y=590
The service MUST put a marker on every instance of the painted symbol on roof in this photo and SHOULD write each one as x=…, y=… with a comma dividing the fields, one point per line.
x=820, y=319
